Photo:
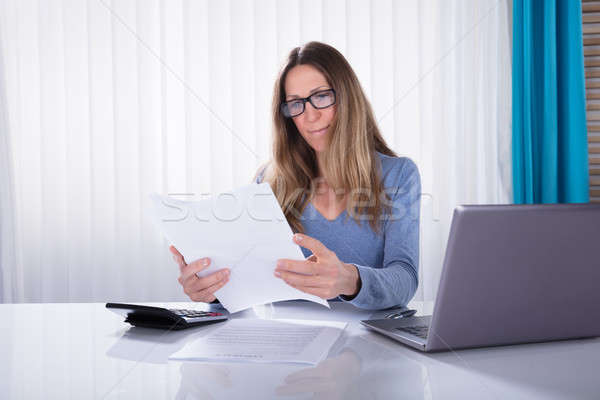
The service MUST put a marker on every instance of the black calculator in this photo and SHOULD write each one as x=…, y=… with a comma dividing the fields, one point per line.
x=165, y=318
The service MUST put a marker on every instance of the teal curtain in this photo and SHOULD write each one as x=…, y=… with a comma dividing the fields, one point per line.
x=550, y=160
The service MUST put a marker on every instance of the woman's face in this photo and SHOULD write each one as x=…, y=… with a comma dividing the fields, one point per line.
x=313, y=124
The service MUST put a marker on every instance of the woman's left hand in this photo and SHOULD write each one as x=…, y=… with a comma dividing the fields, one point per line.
x=322, y=274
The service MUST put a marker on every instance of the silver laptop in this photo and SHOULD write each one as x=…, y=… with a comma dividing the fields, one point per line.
x=512, y=274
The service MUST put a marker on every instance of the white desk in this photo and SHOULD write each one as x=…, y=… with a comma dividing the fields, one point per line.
x=83, y=351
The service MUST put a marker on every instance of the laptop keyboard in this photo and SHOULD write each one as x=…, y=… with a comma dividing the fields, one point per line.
x=419, y=330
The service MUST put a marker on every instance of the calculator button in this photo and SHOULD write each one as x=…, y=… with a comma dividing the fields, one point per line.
x=197, y=314
x=194, y=313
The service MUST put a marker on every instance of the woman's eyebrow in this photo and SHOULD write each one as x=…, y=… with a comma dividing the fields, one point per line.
x=295, y=96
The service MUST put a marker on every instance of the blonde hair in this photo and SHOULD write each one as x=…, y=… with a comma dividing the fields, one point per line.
x=350, y=164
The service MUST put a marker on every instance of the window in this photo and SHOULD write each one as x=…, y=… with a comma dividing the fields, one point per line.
x=591, y=51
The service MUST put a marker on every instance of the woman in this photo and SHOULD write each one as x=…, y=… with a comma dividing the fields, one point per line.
x=353, y=203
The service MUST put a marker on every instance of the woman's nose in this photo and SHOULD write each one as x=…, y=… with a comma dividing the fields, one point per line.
x=312, y=114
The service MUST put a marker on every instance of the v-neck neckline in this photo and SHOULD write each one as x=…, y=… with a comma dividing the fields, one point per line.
x=321, y=215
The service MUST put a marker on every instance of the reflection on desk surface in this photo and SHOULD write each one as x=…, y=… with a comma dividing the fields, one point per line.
x=345, y=374
x=58, y=350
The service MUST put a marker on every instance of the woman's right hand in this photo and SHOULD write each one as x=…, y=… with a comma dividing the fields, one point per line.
x=199, y=289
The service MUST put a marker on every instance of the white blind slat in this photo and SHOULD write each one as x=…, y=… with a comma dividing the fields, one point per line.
x=174, y=95
x=126, y=147
x=55, y=183
x=197, y=96
x=243, y=112
x=221, y=92
x=28, y=144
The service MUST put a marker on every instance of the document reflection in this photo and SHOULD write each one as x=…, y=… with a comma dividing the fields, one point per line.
x=356, y=368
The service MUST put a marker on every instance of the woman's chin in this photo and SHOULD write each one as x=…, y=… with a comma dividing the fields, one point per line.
x=318, y=145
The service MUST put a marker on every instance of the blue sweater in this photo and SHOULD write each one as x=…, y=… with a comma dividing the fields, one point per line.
x=387, y=262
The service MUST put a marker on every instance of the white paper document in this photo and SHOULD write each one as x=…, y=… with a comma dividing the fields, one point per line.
x=244, y=230
x=262, y=340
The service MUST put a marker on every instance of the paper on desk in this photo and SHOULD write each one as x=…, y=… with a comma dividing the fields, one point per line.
x=244, y=230
x=267, y=341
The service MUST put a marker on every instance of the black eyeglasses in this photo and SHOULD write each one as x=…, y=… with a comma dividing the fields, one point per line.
x=319, y=100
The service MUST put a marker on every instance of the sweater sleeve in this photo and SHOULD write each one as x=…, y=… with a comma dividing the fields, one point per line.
x=395, y=282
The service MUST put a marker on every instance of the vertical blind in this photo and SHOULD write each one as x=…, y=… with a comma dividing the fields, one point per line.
x=110, y=100
x=591, y=50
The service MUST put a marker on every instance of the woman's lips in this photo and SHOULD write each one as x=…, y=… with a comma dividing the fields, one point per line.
x=319, y=132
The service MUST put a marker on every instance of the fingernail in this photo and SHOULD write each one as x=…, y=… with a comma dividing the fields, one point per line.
x=280, y=264
x=297, y=237
x=226, y=272
x=206, y=262
x=277, y=274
